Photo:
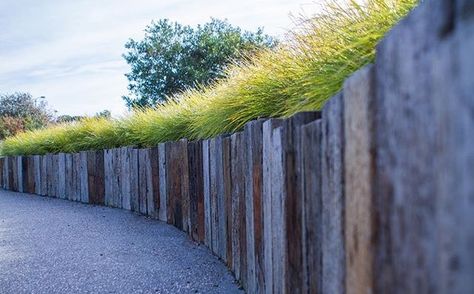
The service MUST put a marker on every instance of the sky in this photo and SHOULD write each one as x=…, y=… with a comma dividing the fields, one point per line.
x=71, y=51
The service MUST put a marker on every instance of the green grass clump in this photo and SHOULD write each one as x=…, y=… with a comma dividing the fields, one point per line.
x=300, y=75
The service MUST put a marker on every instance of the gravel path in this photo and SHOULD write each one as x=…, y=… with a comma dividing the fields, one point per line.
x=56, y=246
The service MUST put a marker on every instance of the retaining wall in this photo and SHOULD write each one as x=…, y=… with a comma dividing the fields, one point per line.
x=375, y=194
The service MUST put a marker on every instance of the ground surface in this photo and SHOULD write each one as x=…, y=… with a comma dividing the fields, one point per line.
x=56, y=246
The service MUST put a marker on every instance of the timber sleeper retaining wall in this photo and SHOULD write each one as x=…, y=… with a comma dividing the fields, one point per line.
x=372, y=195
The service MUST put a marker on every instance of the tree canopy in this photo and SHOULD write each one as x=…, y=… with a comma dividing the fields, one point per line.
x=21, y=112
x=173, y=57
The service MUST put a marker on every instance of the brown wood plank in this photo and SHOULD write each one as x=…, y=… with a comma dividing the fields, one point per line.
x=227, y=182
x=196, y=192
x=184, y=183
x=154, y=201
x=206, y=193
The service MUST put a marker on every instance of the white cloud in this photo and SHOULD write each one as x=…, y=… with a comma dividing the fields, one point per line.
x=70, y=51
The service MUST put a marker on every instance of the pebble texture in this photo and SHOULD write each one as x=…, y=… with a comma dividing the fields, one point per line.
x=54, y=246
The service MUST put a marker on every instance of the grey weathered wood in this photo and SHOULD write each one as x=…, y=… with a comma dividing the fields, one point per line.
x=84, y=188
x=424, y=155
x=44, y=175
x=125, y=177
x=220, y=200
x=280, y=253
x=267, y=130
x=227, y=196
x=312, y=225
x=20, y=177
x=184, y=182
x=134, y=182
x=153, y=204
x=239, y=243
x=213, y=195
x=162, y=213
x=49, y=175
x=37, y=173
x=69, y=176
x=108, y=175
x=333, y=260
x=61, y=176
x=77, y=166
x=359, y=162
x=144, y=179
x=207, y=193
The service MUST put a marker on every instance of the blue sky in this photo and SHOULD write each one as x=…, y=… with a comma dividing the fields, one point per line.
x=70, y=51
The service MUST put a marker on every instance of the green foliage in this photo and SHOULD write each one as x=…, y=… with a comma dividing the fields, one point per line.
x=173, y=57
x=299, y=75
x=21, y=112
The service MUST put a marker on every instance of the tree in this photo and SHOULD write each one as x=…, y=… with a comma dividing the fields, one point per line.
x=21, y=112
x=173, y=57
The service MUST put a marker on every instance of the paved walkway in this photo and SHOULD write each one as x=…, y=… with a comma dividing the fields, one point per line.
x=56, y=246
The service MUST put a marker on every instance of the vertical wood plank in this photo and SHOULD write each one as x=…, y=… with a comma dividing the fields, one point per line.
x=108, y=174
x=154, y=200
x=44, y=175
x=358, y=180
x=84, y=188
x=227, y=196
x=69, y=176
x=134, y=180
x=20, y=175
x=2, y=160
x=267, y=130
x=184, y=183
x=162, y=213
x=62, y=175
x=37, y=173
x=125, y=178
x=206, y=193
x=333, y=261
x=196, y=192
x=144, y=179
x=312, y=225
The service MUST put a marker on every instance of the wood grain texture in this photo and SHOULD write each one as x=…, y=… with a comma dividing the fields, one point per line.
x=206, y=192
x=84, y=177
x=134, y=180
x=69, y=176
x=20, y=175
x=312, y=224
x=62, y=175
x=2, y=160
x=359, y=165
x=239, y=235
x=333, y=261
x=227, y=196
x=184, y=183
x=196, y=190
x=125, y=177
x=154, y=200
x=144, y=180
x=162, y=213
x=108, y=174
x=213, y=196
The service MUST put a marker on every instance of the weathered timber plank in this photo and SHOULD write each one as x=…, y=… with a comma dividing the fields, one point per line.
x=37, y=173
x=144, y=179
x=69, y=176
x=184, y=183
x=333, y=260
x=77, y=176
x=20, y=173
x=108, y=175
x=267, y=130
x=95, y=177
x=30, y=179
x=84, y=188
x=125, y=177
x=154, y=201
x=162, y=213
x=134, y=181
x=424, y=155
x=62, y=175
x=280, y=253
x=206, y=193
x=312, y=228
x=221, y=227
x=196, y=192
x=175, y=190
x=253, y=133
x=358, y=180
x=44, y=175
x=227, y=182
